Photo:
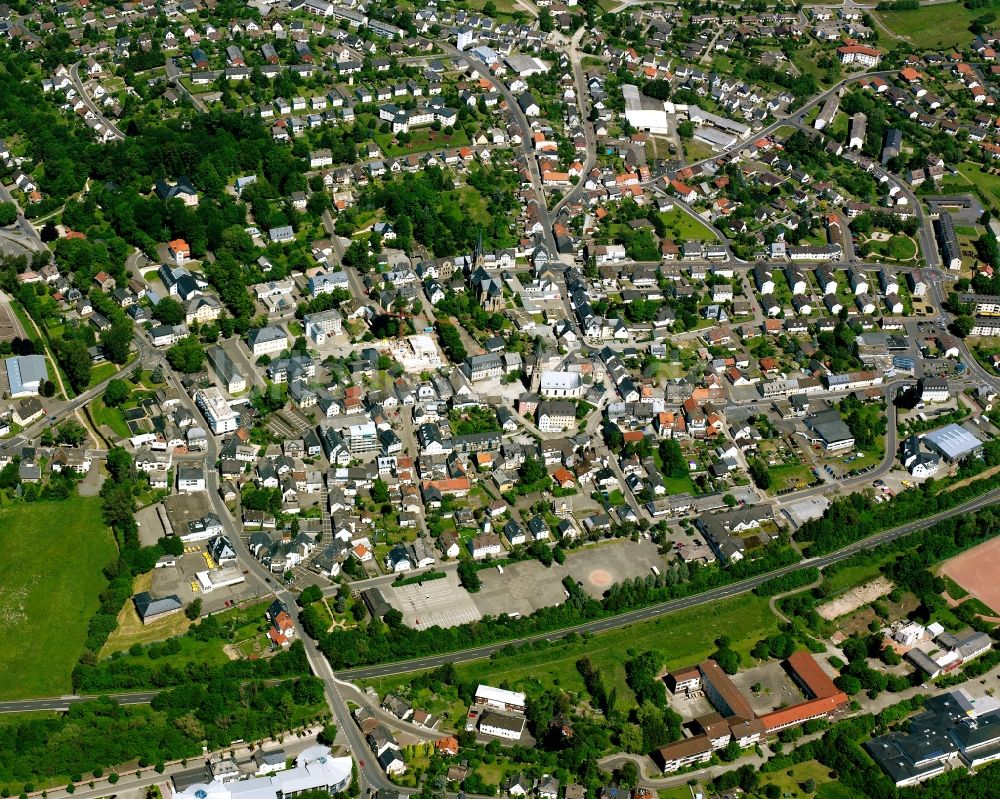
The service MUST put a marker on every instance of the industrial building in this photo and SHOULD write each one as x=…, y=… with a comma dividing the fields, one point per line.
x=315, y=769
x=25, y=375
x=644, y=113
x=953, y=443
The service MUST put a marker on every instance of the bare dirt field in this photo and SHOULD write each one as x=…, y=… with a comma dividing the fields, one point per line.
x=855, y=598
x=975, y=570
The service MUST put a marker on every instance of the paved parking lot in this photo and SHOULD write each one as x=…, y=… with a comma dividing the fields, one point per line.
x=178, y=579
x=442, y=602
x=522, y=588
x=527, y=586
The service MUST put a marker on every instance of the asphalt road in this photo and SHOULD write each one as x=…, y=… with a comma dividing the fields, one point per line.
x=524, y=148
x=654, y=611
x=63, y=702
x=74, y=73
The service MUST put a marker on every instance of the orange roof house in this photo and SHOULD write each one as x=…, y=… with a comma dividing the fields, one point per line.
x=179, y=250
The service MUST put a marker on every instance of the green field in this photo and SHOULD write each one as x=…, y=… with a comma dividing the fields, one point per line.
x=937, y=26
x=241, y=625
x=111, y=417
x=684, y=638
x=101, y=372
x=850, y=576
x=955, y=591
x=50, y=578
x=789, y=475
x=469, y=201
x=421, y=140
x=684, y=227
x=988, y=184
x=790, y=784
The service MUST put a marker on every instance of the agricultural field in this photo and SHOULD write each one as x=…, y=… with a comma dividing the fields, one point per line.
x=50, y=579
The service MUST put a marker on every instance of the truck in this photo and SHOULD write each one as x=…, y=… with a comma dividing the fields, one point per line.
x=655, y=570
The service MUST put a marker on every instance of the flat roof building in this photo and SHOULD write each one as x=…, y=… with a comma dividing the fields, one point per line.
x=220, y=417
x=644, y=113
x=315, y=770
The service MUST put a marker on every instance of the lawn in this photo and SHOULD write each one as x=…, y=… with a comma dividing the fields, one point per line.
x=955, y=591
x=850, y=576
x=50, y=579
x=101, y=372
x=685, y=637
x=683, y=226
x=800, y=772
x=243, y=625
x=111, y=417
x=678, y=792
x=697, y=150
x=421, y=140
x=470, y=201
x=988, y=184
x=790, y=475
x=933, y=27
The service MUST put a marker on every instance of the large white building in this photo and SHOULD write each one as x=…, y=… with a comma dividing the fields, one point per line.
x=500, y=698
x=363, y=437
x=25, y=375
x=561, y=385
x=220, y=417
x=644, y=113
x=267, y=341
x=315, y=770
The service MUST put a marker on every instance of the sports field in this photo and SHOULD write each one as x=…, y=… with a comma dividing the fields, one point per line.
x=50, y=579
x=975, y=570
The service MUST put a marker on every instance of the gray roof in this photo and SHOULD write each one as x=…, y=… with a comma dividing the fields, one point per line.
x=953, y=441
x=23, y=371
x=148, y=606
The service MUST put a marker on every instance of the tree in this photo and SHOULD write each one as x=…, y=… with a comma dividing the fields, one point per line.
x=75, y=361
x=731, y=751
x=380, y=491
x=630, y=738
x=71, y=432
x=760, y=474
x=193, y=610
x=327, y=735
x=187, y=355
x=116, y=393
x=117, y=340
x=469, y=576
x=8, y=214
x=674, y=462
x=169, y=311
x=963, y=325
x=627, y=774
x=533, y=476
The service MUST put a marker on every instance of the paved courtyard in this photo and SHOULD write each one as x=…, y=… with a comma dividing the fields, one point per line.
x=777, y=688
